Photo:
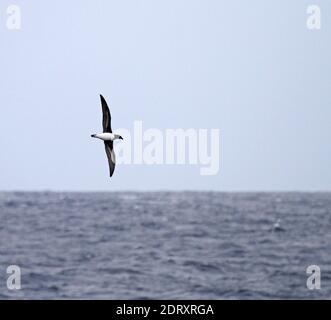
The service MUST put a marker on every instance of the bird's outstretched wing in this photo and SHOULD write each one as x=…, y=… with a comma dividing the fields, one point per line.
x=111, y=156
x=106, y=117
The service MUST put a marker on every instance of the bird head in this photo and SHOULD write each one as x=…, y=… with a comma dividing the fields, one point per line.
x=117, y=136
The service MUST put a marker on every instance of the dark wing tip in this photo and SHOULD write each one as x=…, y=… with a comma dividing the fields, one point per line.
x=109, y=151
x=104, y=103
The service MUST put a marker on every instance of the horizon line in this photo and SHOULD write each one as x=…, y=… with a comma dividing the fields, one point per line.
x=159, y=190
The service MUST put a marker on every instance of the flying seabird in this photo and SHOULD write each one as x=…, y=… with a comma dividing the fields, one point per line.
x=107, y=136
x=277, y=226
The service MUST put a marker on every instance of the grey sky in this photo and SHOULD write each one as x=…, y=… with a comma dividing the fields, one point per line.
x=250, y=68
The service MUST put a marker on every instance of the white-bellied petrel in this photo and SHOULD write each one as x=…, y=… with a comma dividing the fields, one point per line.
x=107, y=136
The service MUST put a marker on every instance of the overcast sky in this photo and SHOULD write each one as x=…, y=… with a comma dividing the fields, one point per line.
x=249, y=68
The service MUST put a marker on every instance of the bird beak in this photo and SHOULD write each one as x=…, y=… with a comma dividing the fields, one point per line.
x=121, y=138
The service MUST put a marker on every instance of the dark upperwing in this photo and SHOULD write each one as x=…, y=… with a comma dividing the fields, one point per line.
x=106, y=117
x=111, y=156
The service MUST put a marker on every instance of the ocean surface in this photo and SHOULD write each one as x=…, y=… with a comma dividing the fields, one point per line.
x=166, y=245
